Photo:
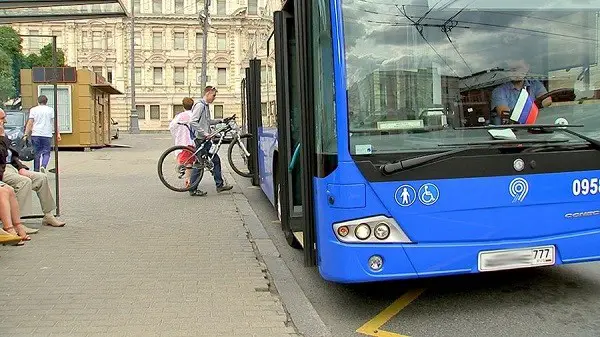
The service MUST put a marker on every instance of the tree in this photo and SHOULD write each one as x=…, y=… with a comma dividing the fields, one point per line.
x=10, y=45
x=7, y=87
x=44, y=59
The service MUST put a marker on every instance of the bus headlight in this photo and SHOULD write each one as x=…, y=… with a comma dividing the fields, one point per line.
x=343, y=231
x=377, y=229
x=382, y=231
x=362, y=231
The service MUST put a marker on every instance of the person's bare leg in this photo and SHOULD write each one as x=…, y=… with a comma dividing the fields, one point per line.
x=15, y=213
x=5, y=214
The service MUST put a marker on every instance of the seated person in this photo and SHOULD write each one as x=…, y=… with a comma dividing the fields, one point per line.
x=10, y=214
x=24, y=182
x=504, y=96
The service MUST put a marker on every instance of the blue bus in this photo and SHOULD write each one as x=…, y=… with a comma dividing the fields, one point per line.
x=406, y=139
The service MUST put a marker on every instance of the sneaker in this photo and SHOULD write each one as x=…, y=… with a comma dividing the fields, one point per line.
x=197, y=193
x=224, y=188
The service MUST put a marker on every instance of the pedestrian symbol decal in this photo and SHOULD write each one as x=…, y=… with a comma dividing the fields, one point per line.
x=518, y=189
x=428, y=194
x=405, y=195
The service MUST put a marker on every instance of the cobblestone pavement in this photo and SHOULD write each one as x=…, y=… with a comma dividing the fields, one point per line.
x=137, y=259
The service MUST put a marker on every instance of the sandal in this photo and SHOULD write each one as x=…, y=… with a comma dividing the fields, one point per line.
x=21, y=232
x=11, y=230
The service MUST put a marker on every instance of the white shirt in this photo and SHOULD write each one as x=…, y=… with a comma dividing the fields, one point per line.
x=180, y=133
x=43, y=121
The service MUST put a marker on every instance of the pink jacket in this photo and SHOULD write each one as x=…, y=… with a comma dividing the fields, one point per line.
x=180, y=133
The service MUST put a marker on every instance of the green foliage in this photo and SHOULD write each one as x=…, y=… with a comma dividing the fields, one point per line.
x=10, y=45
x=7, y=88
x=12, y=61
x=44, y=58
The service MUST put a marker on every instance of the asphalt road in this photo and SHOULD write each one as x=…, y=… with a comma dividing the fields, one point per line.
x=555, y=301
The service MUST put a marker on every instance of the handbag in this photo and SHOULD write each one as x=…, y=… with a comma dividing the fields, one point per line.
x=26, y=153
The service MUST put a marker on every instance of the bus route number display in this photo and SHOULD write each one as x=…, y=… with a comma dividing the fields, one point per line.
x=585, y=186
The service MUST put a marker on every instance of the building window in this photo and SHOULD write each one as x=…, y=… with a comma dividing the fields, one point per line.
x=155, y=112
x=252, y=7
x=177, y=109
x=109, y=74
x=110, y=44
x=63, y=105
x=199, y=41
x=158, y=75
x=179, y=7
x=137, y=38
x=221, y=9
x=97, y=70
x=34, y=41
x=218, y=111
x=199, y=76
x=263, y=109
x=157, y=6
x=157, y=41
x=141, y=111
x=137, y=6
x=263, y=74
x=222, y=76
x=221, y=41
x=138, y=76
x=179, y=76
x=96, y=40
x=58, y=35
x=84, y=40
x=179, y=41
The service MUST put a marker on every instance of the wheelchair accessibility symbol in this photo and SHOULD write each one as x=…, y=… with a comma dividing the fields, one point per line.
x=428, y=194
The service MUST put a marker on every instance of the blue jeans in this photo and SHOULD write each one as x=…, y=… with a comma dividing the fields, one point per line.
x=216, y=170
x=41, y=148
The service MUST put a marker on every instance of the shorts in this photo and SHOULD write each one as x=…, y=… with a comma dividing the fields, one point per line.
x=185, y=157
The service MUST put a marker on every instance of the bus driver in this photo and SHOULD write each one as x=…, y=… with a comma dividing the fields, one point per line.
x=504, y=96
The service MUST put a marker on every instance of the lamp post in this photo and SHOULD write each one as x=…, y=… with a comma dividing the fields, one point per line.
x=134, y=126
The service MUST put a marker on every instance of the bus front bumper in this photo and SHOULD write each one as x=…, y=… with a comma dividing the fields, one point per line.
x=349, y=263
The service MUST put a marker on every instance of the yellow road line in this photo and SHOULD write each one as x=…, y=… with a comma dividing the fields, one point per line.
x=372, y=327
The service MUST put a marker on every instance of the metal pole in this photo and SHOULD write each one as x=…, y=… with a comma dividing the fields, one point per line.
x=134, y=126
x=56, y=129
x=204, y=42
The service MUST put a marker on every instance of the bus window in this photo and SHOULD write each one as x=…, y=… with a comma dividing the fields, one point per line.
x=323, y=83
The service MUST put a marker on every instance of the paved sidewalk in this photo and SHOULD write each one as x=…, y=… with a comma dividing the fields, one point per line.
x=137, y=259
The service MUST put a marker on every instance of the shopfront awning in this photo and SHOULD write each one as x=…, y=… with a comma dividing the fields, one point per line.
x=107, y=88
x=20, y=11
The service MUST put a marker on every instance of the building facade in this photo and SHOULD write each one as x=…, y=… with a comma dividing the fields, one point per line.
x=168, y=53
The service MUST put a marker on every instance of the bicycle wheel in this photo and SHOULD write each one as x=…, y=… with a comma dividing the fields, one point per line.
x=238, y=161
x=176, y=165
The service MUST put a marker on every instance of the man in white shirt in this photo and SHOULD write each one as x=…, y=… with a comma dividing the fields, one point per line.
x=40, y=127
x=182, y=136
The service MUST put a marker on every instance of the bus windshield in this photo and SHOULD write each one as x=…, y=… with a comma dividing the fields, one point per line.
x=421, y=73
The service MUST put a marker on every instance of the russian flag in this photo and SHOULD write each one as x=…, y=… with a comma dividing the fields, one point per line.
x=525, y=111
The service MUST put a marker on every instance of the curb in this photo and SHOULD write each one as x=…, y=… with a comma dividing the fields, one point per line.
x=303, y=315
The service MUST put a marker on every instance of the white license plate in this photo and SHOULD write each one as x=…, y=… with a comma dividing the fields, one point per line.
x=516, y=258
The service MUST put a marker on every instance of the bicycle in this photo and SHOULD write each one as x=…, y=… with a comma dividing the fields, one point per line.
x=189, y=158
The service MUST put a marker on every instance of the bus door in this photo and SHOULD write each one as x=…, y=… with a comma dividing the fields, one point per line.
x=296, y=143
x=253, y=117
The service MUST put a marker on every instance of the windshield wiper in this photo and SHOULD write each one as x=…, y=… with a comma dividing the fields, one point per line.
x=509, y=142
x=390, y=168
x=542, y=127
x=405, y=164
x=595, y=143
x=521, y=126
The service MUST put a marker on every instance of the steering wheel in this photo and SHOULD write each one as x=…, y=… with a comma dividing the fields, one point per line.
x=556, y=92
